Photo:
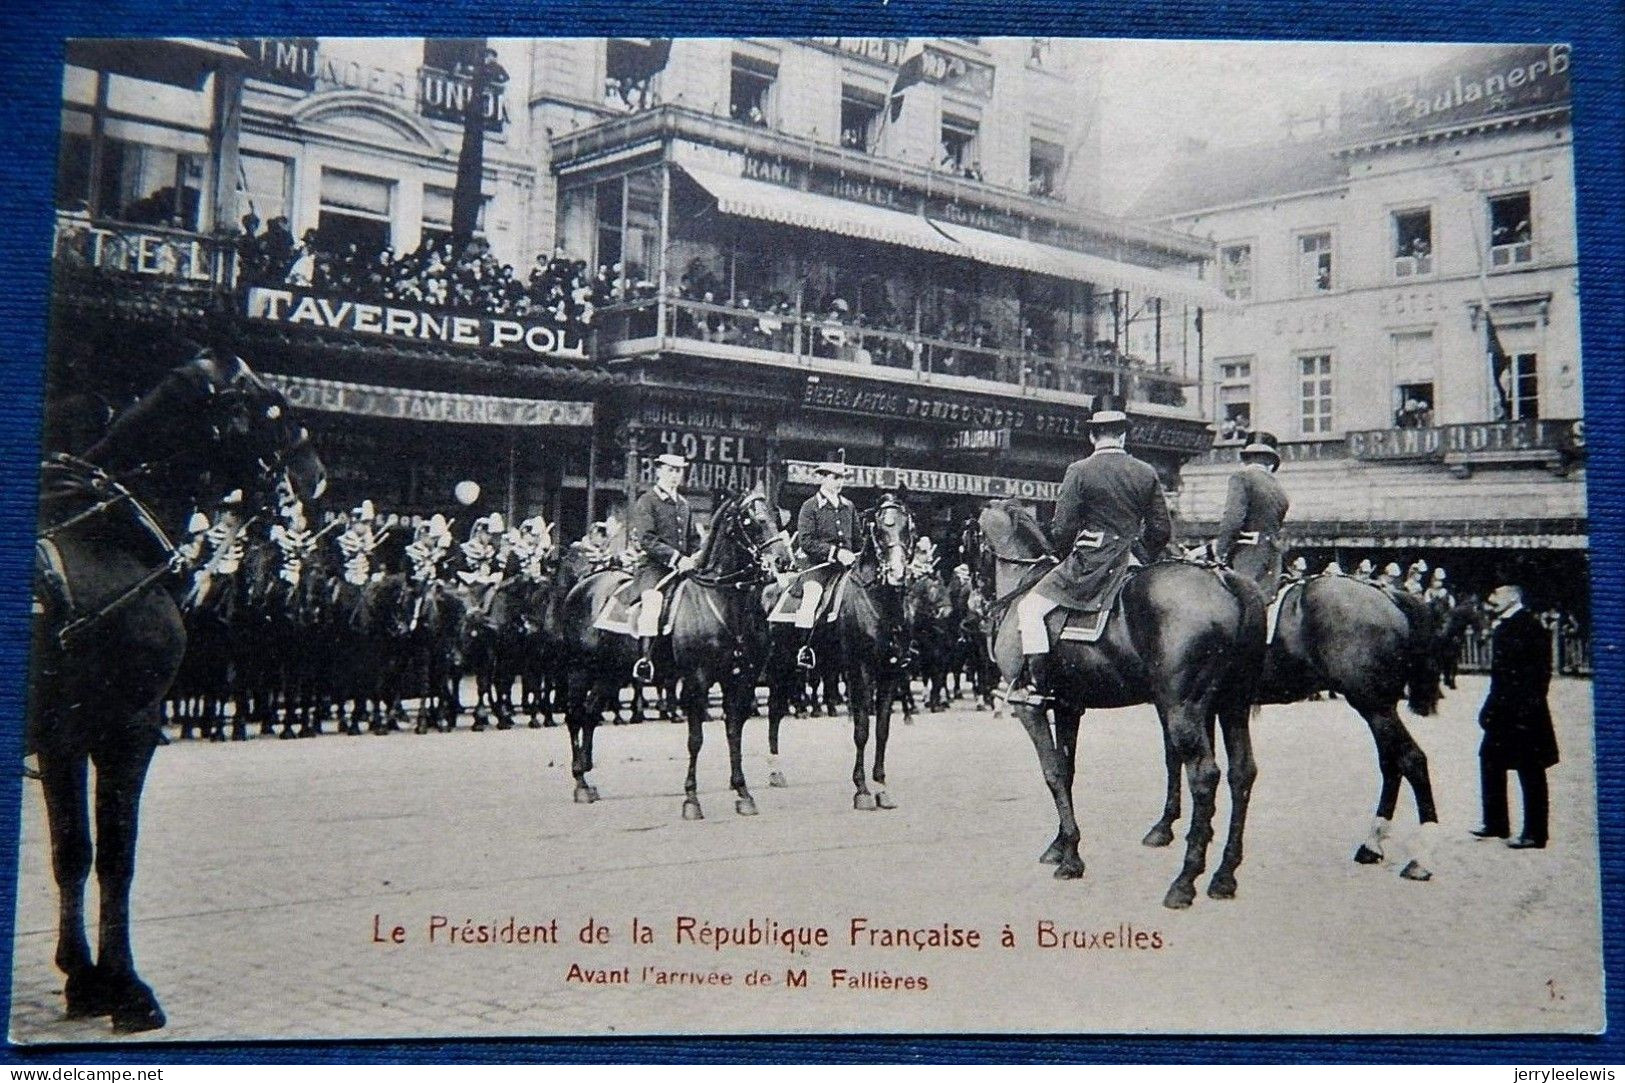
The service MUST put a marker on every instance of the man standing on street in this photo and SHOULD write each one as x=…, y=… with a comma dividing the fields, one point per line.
x=1516, y=721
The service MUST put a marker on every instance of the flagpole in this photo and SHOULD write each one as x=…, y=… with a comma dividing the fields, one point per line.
x=1493, y=350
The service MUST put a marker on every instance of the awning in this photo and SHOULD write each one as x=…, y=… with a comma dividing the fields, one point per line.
x=808, y=210
x=766, y=202
x=182, y=62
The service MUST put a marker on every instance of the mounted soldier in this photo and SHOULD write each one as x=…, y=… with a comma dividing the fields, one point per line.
x=827, y=539
x=1108, y=502
x=426, y=551
x=1438, y=594
x=661, y=524
x=1416, y=581
x=222, y=549
x=1392, y=576
x=356, y=543
x=481, y=571
x=1366, y=570
x=1254, y=511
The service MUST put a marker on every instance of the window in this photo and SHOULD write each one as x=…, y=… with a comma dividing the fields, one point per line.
x=1315, y=394
x=437, y=213
x=1511, y=232
x=140, y=183
x=73, y=173
x=1413, y=405
x=610, y=221
x=1315, y=262
x=1045, y=161
x=959, y=153
x=860, y=118
x=1236, y=271
x=631, y=66
x=1518, y=389
x=1413, y=243
x=355, y=211
x=265, y=185
x=750, y=95
x=1235, y=404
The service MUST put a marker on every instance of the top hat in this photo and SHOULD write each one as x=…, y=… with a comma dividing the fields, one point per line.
x=1108, y=410
x=669, y=459
x=833, y=469
x=1263, y=443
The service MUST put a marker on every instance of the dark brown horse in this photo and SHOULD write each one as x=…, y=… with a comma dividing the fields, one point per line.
x=868, y=643
x=719, y=635
x=1373, y=646
x=108, y=638
x=1187, y=639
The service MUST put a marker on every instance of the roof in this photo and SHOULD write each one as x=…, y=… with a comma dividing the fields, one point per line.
x=1226, y=176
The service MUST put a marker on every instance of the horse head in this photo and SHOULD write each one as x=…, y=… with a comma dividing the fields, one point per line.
x=745, y=530
x=888, y=539
x=1007, y=534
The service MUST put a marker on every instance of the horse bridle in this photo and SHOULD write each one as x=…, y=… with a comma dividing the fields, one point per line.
x=872, y=523
x=734, y=527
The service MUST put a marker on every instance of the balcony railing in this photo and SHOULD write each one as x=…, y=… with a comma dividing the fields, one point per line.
x=786, y=338
x=158, y=254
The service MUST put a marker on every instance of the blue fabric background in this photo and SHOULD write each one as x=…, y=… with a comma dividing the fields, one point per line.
x=31, y=36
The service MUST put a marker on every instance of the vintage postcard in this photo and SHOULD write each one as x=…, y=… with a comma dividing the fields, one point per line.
x=801, y=535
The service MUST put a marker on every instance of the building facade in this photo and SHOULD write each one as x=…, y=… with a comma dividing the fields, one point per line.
x=1411, y=328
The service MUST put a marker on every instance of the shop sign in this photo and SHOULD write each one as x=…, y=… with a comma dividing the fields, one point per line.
x=1296, y=451
x=1409, y=303
x=1489, y=82
x=300, y=307
x=977, y=440
x=706, y=417
x=936, y=65
x=980, y=486
x=956, y=213
x=736, y=463
x=1436, y=443
x=410, y=404
x=1321, y=320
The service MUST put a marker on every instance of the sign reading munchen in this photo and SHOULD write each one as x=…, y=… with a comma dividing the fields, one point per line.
x=298, y=306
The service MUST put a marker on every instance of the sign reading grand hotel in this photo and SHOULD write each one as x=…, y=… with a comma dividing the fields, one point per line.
x=1534, y=435
x=301, y=307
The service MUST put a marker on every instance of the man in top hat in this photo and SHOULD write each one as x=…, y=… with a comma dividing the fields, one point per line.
x=1107, y=502
x=1516, y=720
x=661, y=524
x=1254, y=512
x=827, y=532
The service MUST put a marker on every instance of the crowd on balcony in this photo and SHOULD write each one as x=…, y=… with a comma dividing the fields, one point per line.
x=440, y=273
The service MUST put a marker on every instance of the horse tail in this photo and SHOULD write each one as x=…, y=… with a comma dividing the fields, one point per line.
x=1250, y=631
x=1422, y=669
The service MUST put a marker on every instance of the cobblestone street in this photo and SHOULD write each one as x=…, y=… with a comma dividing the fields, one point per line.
x=272, y=873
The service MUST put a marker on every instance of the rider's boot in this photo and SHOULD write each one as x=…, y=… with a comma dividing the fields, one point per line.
x=643, y=670
x=1031, y=686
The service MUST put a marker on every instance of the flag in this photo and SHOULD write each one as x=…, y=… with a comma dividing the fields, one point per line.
x=911, y=71
x=1501, y=374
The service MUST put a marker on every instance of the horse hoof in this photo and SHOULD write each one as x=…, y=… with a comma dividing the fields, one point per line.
x=505, y=724
x=134, y=1019
x=864, y=802
x=1179, y=897
x=1069, y=870
x=884, y=800
x=1159, y=835
x=87, y=997
x=776, y=780
x=1051, y=856
x=745, y=806
x=1415, y=870
x=691, y=810
x=585, y=795
x=1222, y=887
x=1365, y=855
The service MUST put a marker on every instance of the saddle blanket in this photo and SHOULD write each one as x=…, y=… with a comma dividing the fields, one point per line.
x=1087, y=625
x=784, y=611
x=619, y=615
x=1273, y=613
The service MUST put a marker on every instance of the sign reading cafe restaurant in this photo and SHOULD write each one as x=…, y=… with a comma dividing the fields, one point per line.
x=297, y=306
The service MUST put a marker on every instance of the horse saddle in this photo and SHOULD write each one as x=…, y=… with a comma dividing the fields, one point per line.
x=1086, y=622
x=832, y=577
x=1287, y=594
x=620, y=611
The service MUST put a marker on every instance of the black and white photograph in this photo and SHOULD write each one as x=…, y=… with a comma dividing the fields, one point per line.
x=832, y=535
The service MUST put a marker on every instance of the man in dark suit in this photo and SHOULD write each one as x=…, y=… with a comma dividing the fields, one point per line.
x=661, y=524
x=1254, y=511
x=1107, y=503
x=1516, y=721
x=827, y=532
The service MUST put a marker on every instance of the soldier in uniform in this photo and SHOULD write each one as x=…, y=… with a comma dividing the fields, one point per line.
x=356, y=544
x=294, y=542
x=481, y=571
x=1366, y=571
x=1416, y=578
x=827, y=534
x=661, y=524
x=223, y=542
x=428, y=549
x=1253, y=514
x=1392, y=576
x=1107, y=503
x=1438, y=594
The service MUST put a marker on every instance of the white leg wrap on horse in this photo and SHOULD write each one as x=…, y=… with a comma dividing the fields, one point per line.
x=1030, y=614
x=1422, y=846
x=649, y=614
x=811, y=592
x=1380, y=830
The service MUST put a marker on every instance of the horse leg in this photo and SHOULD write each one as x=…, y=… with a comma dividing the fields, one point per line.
x=860, y=691
x=121, y=770
x=696, y=688
x=882, y=735
x=1063, y=851
x=1370, y=851
x=778, y=697
x=1190, y=729
x=738, y=696
x=1240, y=769
x=1162, y=832
x=1401, y=758
x=63, y=778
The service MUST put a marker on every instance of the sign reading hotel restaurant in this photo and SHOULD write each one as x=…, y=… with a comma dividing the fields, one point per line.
x=1435, y=443
x=1489, y=82
x=302, y=308
x=715, y=461
x=410, y=404
x=981, y=486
